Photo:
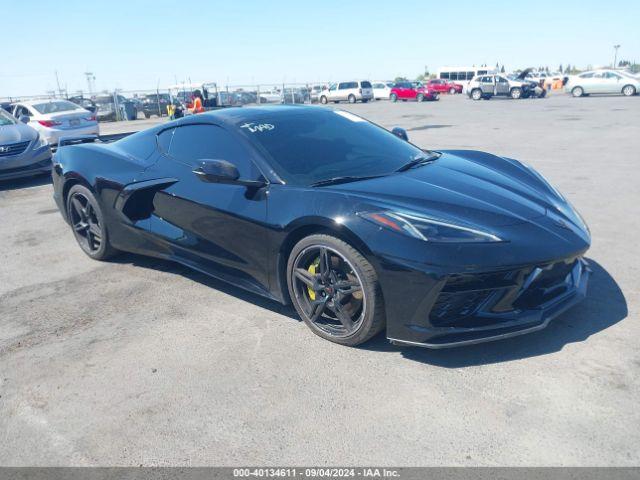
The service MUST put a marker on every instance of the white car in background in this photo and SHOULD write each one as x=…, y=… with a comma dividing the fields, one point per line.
x=55, y=119
x=382, y=89
x=602, y=81
x=273, y=95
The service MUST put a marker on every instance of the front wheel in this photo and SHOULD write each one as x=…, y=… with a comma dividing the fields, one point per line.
x=516, y=93
x=147, y=115
x=335, y=290
x=87, y=223
x=420, y=97
x=323, y=100
x=476, y=94
x=393, y=97
x=452, y=91
x=577, y=92
x=628, y=90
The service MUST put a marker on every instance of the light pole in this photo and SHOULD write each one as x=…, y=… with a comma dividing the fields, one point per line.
x=615, y=56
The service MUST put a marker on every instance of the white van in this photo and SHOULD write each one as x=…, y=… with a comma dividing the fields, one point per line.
x=347, y=91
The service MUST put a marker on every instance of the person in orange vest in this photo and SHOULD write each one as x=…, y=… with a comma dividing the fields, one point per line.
x=197, y=102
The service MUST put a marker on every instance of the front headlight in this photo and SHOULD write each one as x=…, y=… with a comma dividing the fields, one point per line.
x=428, y=229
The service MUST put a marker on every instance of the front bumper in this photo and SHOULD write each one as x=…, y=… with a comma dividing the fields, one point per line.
x=32, y=162
x=510, y=303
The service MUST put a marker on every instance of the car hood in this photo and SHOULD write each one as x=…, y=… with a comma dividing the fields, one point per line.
x=468, y=186
x=17, y=133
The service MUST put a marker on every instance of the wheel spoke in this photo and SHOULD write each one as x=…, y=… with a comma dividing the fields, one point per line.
x=77, y=206
x=305, y=276
x=95, y=230
x=317, y=308
x=343, y=316
x=324, y=263
x=80, y=226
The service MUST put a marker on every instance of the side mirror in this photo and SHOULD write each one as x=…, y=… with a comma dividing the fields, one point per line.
x=24, y=119
x=400, y=133
x=221, y=171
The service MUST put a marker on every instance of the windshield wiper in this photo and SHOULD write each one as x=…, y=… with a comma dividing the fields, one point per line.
x=419, y=160
x=343, y=179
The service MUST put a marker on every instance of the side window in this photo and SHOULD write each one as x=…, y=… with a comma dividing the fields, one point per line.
x=342, y=86
x=164, y=140
x=332, y=87
x=192, y=143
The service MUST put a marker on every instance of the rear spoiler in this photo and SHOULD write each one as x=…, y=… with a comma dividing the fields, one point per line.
x=78, y=139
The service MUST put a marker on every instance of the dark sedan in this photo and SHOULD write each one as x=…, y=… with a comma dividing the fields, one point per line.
x=361, y=230
x=23, y=152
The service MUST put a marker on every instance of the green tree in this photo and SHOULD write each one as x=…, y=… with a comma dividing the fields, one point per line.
x=401, y=79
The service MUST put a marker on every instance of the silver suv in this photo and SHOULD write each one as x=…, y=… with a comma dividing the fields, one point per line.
x=349, y=91
x=487, y=86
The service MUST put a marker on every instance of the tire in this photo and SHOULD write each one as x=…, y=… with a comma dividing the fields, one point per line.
x=365, y=100
x=476, y=94
x=323, y=100
x=87, y=223
x=452, y=91
x=352, y=98
x=577, y=92
x=420, y=97
x=364, y=306
x=516, y=93
x=393, y=97
x=628, y=90
x=147, y=115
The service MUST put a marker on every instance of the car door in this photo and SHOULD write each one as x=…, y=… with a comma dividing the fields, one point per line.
x=598, y=83
x=502, y=86
x=612, y=83
x=333, y=92
x=487, y=85
x=214, y=227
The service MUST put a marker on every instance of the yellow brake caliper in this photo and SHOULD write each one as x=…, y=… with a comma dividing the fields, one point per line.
x=312, y=270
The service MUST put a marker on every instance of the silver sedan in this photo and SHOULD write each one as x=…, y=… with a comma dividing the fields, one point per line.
x=23, y=151
x=602, y=81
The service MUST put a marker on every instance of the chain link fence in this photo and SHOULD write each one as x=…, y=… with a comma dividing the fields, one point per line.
x=118, y=105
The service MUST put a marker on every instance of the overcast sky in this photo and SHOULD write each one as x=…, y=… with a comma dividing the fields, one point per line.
x=140, y=44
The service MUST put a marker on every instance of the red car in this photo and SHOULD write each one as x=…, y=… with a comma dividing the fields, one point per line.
x=443, y=86
x=412, y=91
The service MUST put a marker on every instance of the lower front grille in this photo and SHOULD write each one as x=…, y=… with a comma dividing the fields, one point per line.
x=450, y=307
x=13, y=149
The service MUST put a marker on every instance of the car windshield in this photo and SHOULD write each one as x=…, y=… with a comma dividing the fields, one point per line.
x=55, y=106
x=305, y=149
x=6, y=119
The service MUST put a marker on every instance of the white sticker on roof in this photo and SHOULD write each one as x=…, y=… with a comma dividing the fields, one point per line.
x=257, y=127
x=349, y=116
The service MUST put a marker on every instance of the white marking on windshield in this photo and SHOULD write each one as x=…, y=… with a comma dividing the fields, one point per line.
x=349, y=116
x=257, y=127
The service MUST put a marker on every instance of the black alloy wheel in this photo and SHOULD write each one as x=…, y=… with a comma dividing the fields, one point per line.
x=335, y=290
x=86, y=221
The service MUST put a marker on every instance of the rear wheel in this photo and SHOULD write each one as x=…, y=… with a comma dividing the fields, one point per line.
x=476, y=94
x=323, y=100
x=628, y=90
x=393, y=97
x=87, y=223
x=452, y=91
x=516, y=93
x=335, y=290
x=352, y=98
x=577, y=92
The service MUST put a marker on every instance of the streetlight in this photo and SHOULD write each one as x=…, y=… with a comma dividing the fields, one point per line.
x=615, y=56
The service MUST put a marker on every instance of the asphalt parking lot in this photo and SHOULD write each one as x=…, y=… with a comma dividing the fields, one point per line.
x=140, y=361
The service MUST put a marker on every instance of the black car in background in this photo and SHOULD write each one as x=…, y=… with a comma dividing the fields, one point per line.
x=107, y=109
x=361, y=230
x=85, y=103
x=155, y=104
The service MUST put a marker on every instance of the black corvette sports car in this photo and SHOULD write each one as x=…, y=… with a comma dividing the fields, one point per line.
x=358, y=228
